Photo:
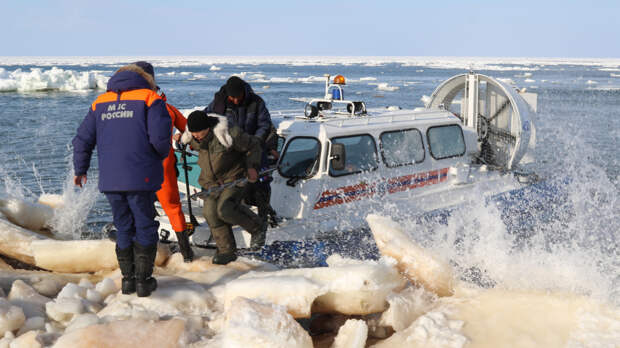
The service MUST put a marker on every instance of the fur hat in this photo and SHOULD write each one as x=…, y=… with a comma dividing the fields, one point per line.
x=147, y=67
x=199, y=120
x=137, y=69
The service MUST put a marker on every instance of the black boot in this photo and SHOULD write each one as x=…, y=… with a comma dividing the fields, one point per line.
x=259, y=235
x=273, y=218
x=254, y=225
x=226, y=245
x=225, y=258
x=145, y=259
x=184, y=248
x=126, y=264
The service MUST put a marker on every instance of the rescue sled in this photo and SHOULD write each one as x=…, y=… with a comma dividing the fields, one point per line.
x=340, y=160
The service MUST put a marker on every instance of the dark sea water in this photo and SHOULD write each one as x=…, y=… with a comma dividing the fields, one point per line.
x=578, y=127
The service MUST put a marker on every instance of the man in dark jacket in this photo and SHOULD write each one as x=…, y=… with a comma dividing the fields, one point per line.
x=225, y=156
x=243, y=108
x=130, y=127
x=237, y=101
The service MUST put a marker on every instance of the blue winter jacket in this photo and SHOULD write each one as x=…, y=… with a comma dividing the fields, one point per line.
x=131, y=128
x=251, y=115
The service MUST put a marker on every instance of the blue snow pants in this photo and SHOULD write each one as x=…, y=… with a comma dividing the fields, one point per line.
x=134, y=218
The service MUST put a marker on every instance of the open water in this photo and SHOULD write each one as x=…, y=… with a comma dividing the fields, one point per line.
x=572, y=245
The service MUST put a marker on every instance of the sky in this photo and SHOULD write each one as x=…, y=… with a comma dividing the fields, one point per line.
x=543, y=28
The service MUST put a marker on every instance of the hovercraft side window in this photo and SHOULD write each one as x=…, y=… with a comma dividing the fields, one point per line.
x=280, y=144
x=271, y=158
x=446, y=141
x=300, y=158
x=402, y=147
x=361, y=154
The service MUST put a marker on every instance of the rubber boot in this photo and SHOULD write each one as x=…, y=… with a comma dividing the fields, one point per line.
x=224, y=259
x=254, y=225
x=126, y=264
x=145, y=259
x=265, y=210
x=226, y=245
x=273, y=218
x=184, y=248
x=259, y=235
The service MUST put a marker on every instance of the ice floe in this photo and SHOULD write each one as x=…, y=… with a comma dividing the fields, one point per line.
x=408, y=298
x=30, y=215
x=527, y=74
x=466, y=63
x=38, y=79
x=384, y=86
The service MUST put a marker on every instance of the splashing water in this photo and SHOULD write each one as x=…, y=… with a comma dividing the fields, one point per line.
x=564, y=239
x=69, y=220
x=72, y=207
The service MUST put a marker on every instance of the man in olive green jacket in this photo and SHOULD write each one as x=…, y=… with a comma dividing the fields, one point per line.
x=226, y=155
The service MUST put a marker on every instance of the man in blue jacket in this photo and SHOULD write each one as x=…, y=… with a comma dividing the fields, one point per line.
x=130, y=127
x=243, y=108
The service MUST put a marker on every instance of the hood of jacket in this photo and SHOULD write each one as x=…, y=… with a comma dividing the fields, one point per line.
x=131, y=77
x=248, y=94
x=221, y=98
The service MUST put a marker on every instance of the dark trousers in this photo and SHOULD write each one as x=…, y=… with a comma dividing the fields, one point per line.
x=258, y=194
x=134, y=218
x=224, y=209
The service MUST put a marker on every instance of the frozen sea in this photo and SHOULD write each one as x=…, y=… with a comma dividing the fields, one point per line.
x=43, y=100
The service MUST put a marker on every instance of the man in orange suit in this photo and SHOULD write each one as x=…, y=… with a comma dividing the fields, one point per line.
x=168, y=195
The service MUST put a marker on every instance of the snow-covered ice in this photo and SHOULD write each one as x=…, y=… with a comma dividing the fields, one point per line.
x=38, y=79
x=384, y=86
x=460, y=63
x=250, y=323
x=353, y=334
x=250, y=303
x=11, y=317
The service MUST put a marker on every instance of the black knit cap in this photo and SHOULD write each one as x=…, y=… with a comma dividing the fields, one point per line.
x=199, y=120
x=234, y=87
x=147, y=67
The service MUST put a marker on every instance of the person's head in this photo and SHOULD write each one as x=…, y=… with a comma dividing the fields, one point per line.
x=147, y=67
x=235, y=90
x=199, y=124
x=143, y=69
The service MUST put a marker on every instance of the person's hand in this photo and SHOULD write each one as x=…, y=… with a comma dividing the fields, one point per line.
x=252, y=175
x=186, y=138
x=79, y=180
x=176, y=137
x=275, y=154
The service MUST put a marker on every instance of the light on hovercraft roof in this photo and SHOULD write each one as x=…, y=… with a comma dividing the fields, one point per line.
x=339, y=80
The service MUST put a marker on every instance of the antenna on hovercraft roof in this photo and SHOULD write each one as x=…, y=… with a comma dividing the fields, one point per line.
x=326, y=86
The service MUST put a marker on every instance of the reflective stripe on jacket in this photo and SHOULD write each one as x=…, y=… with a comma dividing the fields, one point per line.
x=130, y=127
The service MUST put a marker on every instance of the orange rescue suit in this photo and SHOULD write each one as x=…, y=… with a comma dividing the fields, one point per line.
x=168, y=195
